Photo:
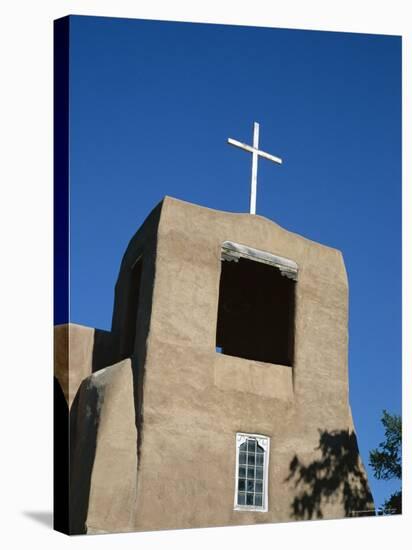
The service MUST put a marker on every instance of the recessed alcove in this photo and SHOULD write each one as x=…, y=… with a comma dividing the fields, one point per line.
x=256, y=305
x=130, y=322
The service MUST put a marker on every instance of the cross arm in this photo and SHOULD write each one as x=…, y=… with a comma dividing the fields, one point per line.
x=253, y=150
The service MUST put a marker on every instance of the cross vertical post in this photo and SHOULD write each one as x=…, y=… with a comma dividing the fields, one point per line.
x=253, y=188
x=255, y=156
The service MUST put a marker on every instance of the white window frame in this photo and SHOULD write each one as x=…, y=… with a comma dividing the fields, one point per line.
x=264, y=442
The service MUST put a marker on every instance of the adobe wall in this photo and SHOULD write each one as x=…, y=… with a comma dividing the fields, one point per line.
x=78, y=352
x=154, y=437
x=195, y=400
x=103, y=457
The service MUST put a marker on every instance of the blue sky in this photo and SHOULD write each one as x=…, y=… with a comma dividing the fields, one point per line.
x=151, y=107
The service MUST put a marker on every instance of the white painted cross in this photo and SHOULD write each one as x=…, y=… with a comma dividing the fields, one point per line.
x=255, y=153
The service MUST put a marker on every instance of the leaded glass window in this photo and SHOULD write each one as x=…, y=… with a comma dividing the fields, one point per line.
x=252, y=453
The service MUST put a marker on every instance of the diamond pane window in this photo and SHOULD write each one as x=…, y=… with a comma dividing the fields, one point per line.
x=252, y=459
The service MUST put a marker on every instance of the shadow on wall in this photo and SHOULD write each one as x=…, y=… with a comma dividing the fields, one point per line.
x=84, y=421
x=336, y=475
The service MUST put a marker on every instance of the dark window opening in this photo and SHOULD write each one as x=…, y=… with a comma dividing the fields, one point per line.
x=256, y=312
x=130, y=322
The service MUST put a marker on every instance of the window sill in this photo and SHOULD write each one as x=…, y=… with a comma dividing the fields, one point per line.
x=249, y=509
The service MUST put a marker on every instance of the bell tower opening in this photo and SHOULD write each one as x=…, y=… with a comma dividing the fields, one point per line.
x=256, y=311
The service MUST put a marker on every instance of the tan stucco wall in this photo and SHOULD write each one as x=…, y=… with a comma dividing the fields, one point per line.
x=114, y=477
x=74, y=344
x=79, y=351
x=195, y=400
x=190, y=401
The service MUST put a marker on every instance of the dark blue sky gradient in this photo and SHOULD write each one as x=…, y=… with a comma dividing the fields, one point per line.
x=151, y=107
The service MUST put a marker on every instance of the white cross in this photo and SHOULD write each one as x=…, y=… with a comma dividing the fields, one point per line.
x=255, y=153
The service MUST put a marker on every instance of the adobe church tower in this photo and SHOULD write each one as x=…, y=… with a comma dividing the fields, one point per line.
x=220, y=397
